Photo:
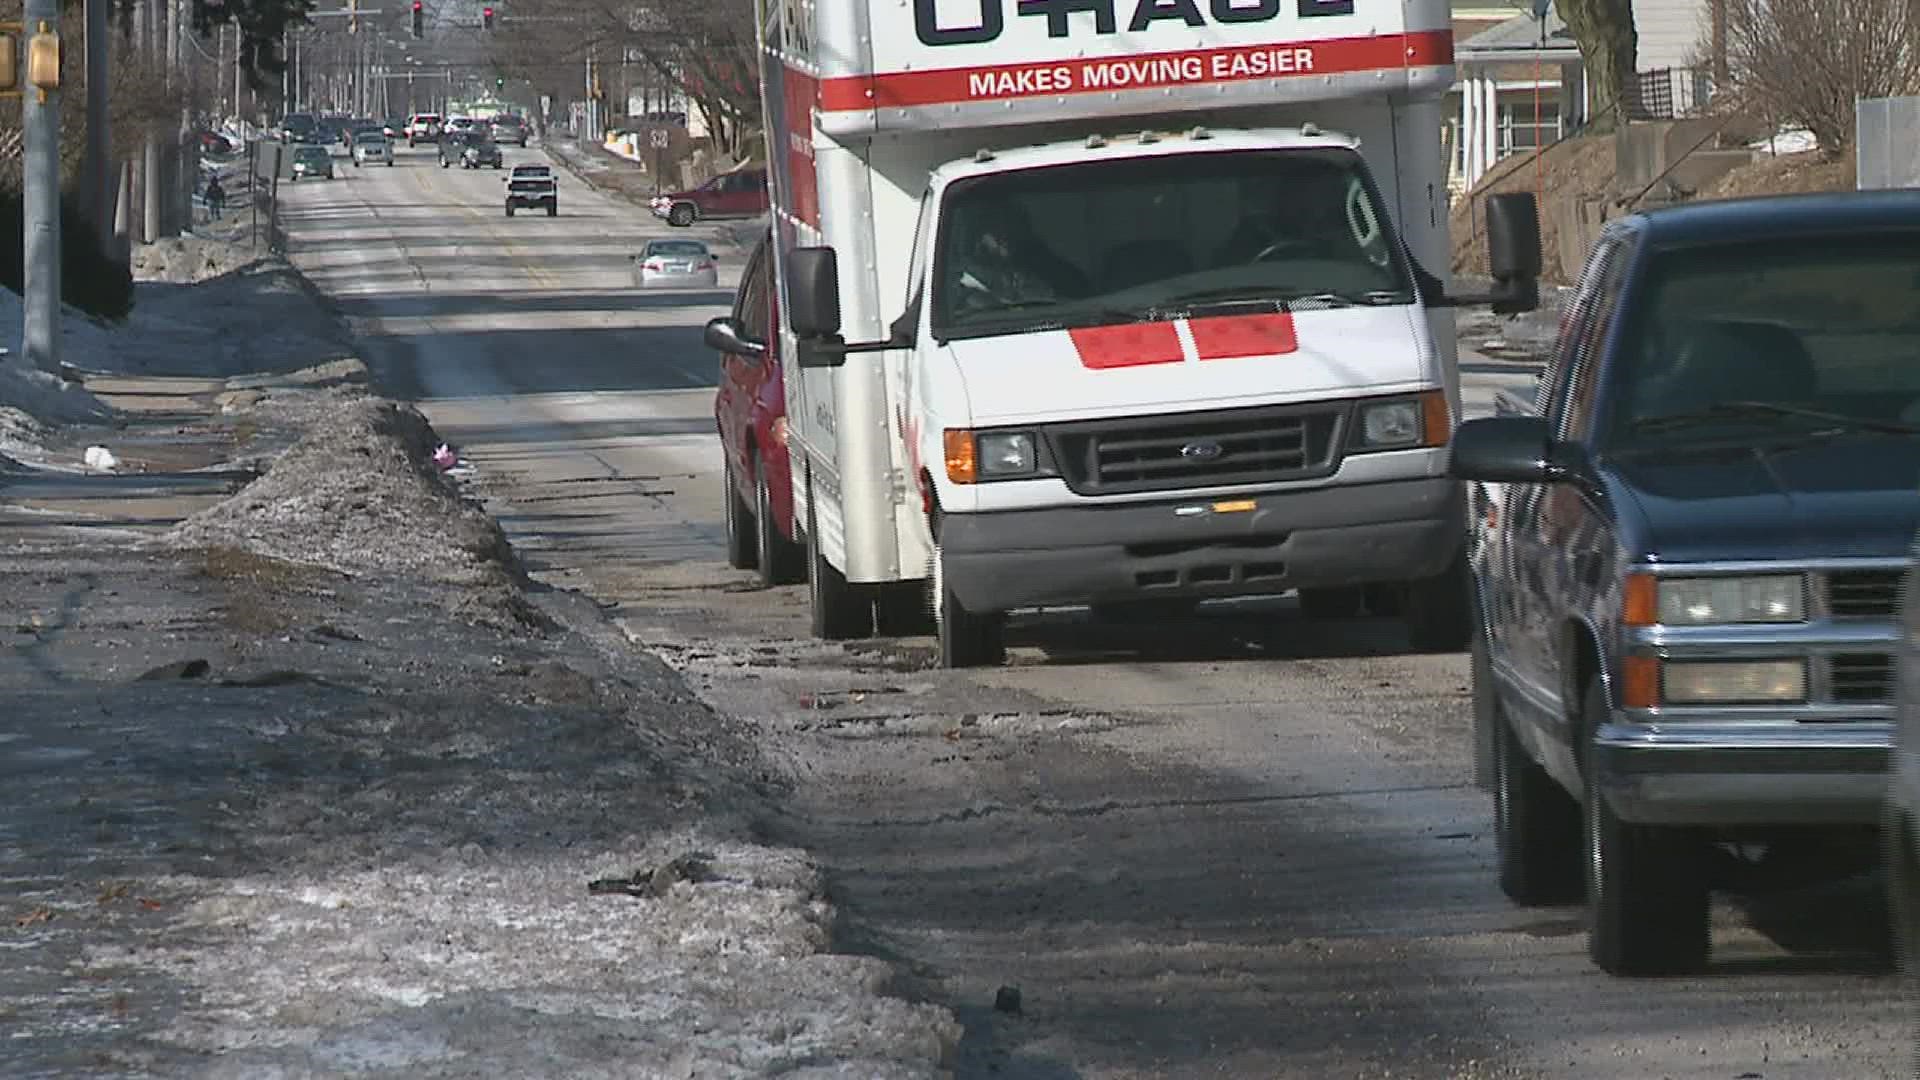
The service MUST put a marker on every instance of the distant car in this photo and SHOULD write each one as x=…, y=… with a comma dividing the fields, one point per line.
x=742, y=193
x=460, y=125
x=212, y=142
x=297, y=128
x=394, y=127
x=531, y=187
x=683, y=263
x=423, y=127
x=508, y=128
x=311, y=161
x=480, y=152
x=452, y=145
x=370, y=147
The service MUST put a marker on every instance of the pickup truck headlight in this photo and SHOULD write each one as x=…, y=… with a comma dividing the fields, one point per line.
x=1722, y=600
x=1734, y=682
x=1401, y=423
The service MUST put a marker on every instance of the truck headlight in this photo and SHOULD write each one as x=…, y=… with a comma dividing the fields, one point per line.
x=1007, y=453
x=1763, y=598
x=1401, y=423
x=1734, y=682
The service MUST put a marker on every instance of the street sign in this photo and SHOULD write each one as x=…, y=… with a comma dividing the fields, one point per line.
x=658, y=139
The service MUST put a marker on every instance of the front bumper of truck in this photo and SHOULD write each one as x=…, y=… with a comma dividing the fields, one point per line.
x=1818, y=762
x=1198, y=548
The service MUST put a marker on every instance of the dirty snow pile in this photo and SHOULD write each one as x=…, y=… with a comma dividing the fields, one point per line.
x=260, y=317
x=358, y=493
x=211, y=249
x=32, y=401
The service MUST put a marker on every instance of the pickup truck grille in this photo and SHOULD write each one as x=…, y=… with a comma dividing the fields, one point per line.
x=1863, y=592
x=1203, y=449
x=1860, y=677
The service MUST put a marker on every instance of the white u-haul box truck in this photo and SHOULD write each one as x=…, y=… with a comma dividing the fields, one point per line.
x=1117, y=303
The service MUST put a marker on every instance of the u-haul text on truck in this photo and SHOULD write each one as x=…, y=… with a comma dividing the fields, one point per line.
x=1122, y=303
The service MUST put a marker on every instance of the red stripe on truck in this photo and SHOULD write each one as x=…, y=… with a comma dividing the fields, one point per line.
x=1133, y=345
x=1226, y=337
x=1244, y=63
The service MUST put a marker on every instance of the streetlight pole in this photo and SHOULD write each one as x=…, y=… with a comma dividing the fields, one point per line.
x=97, y=188
x=40, y=204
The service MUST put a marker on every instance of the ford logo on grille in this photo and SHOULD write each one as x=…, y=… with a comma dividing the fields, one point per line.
x=1202, y=451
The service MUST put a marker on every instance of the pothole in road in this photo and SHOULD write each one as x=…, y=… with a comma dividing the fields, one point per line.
x=957, y=727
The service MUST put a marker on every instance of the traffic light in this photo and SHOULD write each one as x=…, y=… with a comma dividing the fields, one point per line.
x=499, y=82
x=419, y=19
x=486, y=18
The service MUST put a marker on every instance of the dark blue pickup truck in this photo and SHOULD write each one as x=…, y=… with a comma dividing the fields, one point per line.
x=1687, y=554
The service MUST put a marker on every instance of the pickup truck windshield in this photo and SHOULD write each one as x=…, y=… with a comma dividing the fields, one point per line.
x=1118, y=241
x=1737, y=340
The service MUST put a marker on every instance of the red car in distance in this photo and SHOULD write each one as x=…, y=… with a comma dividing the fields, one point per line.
x=741, y=193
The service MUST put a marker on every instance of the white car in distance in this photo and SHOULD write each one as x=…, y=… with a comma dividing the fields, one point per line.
x=675, y=263
x=372, y=147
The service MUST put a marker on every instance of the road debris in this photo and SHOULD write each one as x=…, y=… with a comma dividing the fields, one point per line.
x=100, y=459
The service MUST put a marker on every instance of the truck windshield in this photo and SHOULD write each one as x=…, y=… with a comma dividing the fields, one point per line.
x=1813, y=336
x=1145, y=238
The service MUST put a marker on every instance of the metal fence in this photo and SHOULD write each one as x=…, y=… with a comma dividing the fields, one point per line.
x=1670, y=93
x=1887, y=142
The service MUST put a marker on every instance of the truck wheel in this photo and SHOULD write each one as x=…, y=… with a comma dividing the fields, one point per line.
x=1536, y=826
x=1339, y=602
x=1439, y=609
x=741, y=554
x=1647, y=897
x=840, y=611
x=1903, y=905
x=681, y=215
x=509, y=209
x=782, y=562
x=553, y=209
x=966, y=638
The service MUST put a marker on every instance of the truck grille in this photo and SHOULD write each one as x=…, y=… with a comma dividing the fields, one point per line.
x=1860, y=677
x=1205, y=449
x=1863, y=592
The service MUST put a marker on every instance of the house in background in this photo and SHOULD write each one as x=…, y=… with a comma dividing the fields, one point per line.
x=1521, y=84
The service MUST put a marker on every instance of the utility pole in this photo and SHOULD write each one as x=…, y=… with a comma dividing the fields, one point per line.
x=96, y=184
x=40, y=161
x=153, y=182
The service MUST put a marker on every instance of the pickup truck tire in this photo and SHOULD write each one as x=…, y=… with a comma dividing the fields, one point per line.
x=739, y=524
x=1536, y=826
x=1338, y=602
x=1439, y=610
x=1903, y=906
x=837, y=609
x=966, y=638
x=781, y=561
x=1648, y=902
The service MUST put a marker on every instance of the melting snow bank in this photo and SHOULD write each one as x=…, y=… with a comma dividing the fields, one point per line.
x=446, y=844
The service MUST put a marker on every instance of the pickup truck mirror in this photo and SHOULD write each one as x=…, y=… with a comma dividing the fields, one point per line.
x=1513, y=251
x=813, y=292
x=1503, y=450
x=728, y=336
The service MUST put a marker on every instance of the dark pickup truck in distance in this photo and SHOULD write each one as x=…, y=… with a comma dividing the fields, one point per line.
x=1687, y=555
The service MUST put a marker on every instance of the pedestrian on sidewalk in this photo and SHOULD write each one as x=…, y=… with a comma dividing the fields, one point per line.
x=216, y=197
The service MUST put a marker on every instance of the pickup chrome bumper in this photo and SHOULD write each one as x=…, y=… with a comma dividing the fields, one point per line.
x=1744, y=773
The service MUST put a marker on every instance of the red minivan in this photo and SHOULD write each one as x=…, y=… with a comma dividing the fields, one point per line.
x=742, y=193
x=750, y=410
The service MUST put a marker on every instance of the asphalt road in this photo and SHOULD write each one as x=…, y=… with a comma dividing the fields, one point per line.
x=1240, y=845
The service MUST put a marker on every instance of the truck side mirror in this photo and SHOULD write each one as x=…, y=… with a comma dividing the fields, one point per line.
x=1513, y=251
x=1503, y=450
x=813, y=292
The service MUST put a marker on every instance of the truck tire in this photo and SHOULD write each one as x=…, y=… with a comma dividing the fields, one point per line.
x=741, y=554
x=1536, y=826
x=781, y=561
x=509, y=209
x=1647, y=895
x=682, y=215
x=553, y=209
x=1903, y=906
x=1439, y=610
x=966, y=638
x=839, y=611
x=1338, y=602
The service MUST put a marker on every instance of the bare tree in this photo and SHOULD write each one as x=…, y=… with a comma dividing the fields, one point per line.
x=1807, y=61
x=1608, y=48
